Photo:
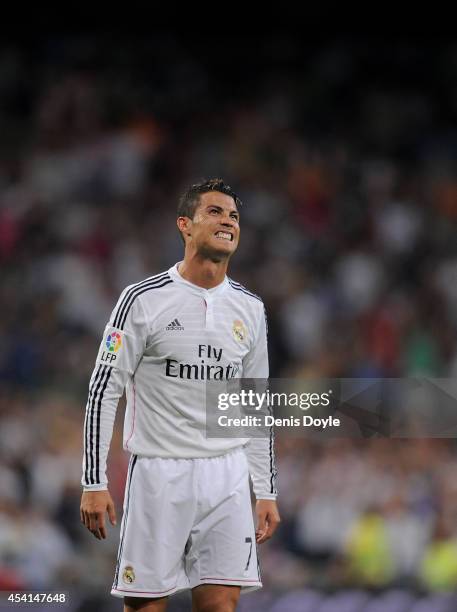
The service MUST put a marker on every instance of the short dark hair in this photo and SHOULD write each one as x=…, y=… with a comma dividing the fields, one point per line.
x=190, y=199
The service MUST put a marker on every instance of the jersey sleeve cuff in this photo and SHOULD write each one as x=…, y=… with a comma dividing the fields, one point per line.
x=272, y=496
x=97, y=487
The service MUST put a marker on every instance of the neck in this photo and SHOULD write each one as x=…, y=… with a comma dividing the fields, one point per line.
x=203, y=272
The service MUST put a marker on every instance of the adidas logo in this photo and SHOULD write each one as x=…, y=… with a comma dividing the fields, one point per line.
x=175, y=325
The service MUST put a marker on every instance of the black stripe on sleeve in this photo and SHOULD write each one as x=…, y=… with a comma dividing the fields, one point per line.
x=125, y=300
x=139, y=292
x=94, y=442
x=105, y=372
x=89, y=421
x=97, y=441
x=86, y=427
x=239, y=287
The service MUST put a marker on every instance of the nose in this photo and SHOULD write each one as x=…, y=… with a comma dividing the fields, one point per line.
x=227, y=221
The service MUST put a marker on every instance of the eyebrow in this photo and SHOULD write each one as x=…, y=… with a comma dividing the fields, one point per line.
x=220, y=208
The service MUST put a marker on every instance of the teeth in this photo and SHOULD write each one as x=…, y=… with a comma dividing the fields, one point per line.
x=224, y=235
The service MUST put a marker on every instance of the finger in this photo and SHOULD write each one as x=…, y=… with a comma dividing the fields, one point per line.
x=261, y=537
x=81, y=514
x=93, y=525
x=261, y=528
x=96, y=532
x=272, y=522
x=101, y=525
x=266, y=535
x=89, y=523
x=112, y=513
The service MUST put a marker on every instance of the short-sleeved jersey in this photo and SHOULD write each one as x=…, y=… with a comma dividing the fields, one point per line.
x=165, y=338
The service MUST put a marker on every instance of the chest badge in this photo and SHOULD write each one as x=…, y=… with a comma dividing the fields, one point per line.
x=239, y=330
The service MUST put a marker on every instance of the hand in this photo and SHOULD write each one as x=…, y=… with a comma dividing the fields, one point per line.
x=267, y=519
x=94, y=504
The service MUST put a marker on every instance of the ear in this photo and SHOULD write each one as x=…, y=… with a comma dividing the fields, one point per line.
x=184, y=225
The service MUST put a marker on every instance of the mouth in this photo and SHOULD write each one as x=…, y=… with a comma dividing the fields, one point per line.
x=224, y=236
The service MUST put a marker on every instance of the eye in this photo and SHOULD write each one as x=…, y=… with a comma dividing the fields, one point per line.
x=235, y=216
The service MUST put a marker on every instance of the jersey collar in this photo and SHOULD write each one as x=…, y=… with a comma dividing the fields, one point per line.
x=176, y=276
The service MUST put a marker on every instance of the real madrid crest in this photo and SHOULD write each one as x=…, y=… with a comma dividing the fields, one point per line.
x=239, y=330
x=128, y=575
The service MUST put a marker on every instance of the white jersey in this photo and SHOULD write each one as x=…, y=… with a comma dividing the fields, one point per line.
x=165, y=338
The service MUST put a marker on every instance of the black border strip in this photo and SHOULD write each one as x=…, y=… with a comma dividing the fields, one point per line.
x=273, y=470
x=124, y=519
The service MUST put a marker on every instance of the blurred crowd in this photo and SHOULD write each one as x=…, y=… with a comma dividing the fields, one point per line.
x=347, y=173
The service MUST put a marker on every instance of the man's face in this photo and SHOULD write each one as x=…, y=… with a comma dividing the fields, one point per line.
x=215, y=228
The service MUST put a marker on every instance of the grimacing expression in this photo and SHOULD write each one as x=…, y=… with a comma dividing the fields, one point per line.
x=215, y=228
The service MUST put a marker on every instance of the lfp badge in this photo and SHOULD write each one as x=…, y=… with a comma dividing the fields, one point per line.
x=113, y=343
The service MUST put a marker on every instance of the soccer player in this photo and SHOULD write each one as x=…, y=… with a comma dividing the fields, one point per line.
x=187, y=520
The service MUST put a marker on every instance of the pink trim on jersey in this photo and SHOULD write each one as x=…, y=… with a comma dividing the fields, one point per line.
x=230, y=579
x=133, y=419
x=146, y=592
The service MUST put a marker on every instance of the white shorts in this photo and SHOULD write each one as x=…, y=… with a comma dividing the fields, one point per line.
x=186, y=522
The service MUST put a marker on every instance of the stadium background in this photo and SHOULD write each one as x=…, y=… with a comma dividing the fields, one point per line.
x=345, y=156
